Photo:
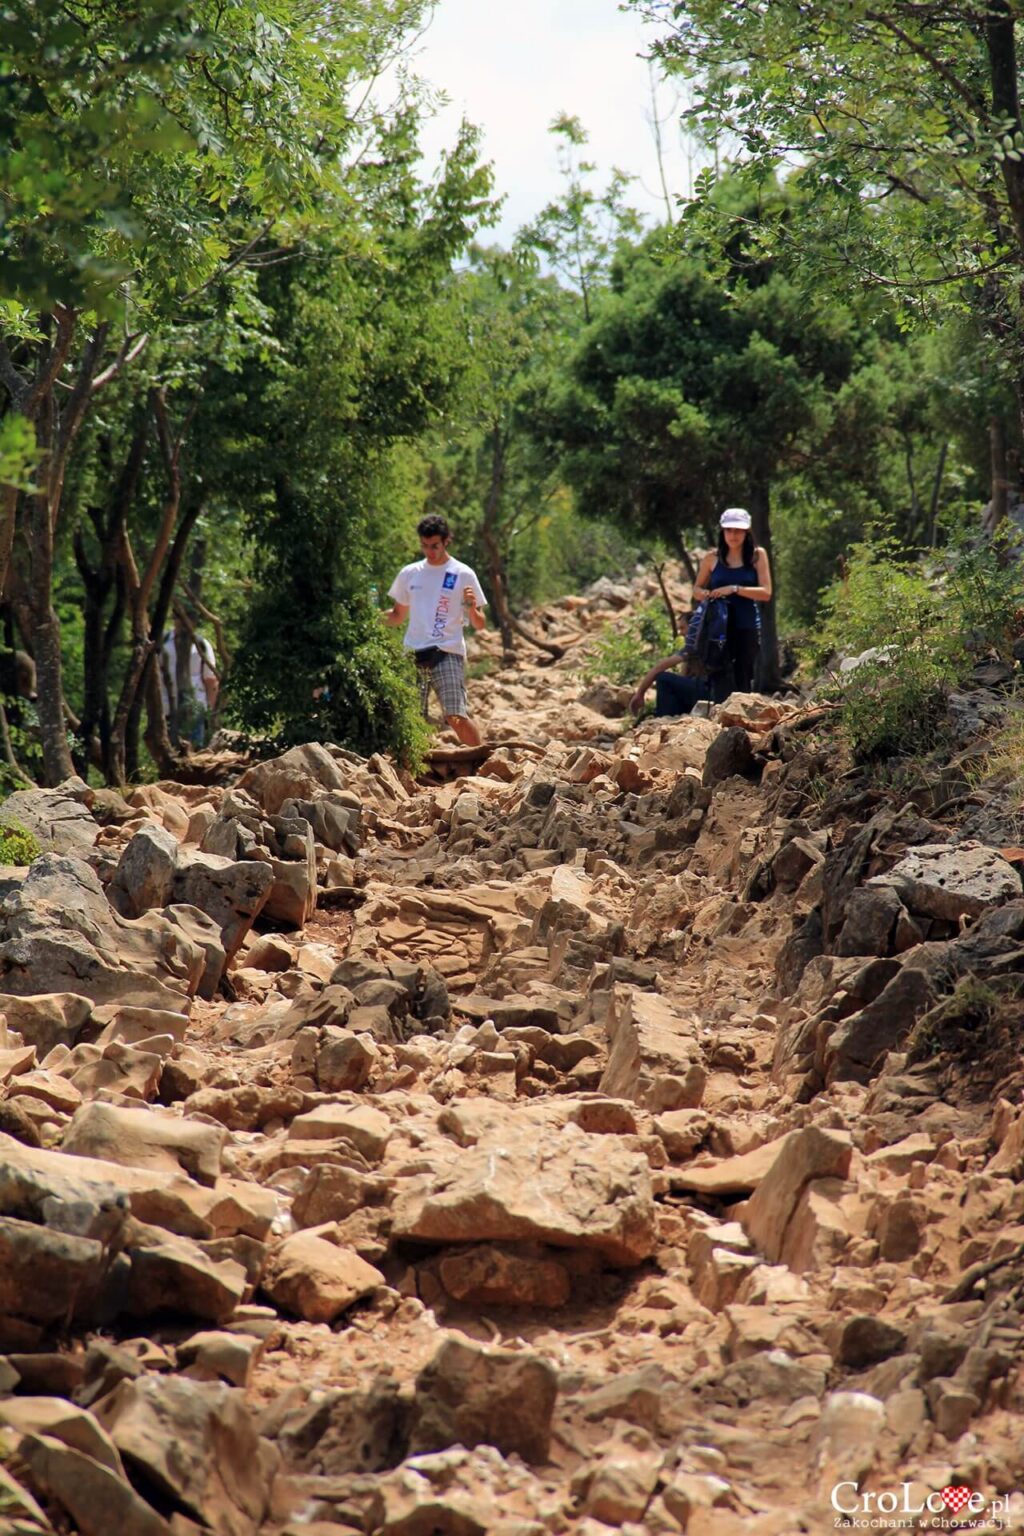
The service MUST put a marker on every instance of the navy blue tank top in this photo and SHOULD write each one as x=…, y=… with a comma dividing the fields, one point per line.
x=743, y=611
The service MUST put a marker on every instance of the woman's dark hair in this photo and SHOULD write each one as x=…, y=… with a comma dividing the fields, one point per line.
x=748, y=547
x=434, y=526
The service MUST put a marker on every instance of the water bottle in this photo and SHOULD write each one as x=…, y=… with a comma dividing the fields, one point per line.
x=374, y=595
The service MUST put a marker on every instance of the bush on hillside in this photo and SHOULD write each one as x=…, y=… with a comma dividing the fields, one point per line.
x=926, y=628
x=17, y=845
x=626, y=648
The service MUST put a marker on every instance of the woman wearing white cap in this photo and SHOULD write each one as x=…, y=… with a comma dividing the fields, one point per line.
x=737, y=573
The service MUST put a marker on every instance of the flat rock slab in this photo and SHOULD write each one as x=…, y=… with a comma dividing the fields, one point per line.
x=146, y=1138
x=950, y=881
x=58, y=818
x=731, y=1175
x=196, y=1443
x=566, y=1188
x=315, y=1279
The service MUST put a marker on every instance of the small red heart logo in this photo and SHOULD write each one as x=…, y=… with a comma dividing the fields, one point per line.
x=955, y=1497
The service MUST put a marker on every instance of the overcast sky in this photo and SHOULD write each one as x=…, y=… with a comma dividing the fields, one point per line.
x=511, y=68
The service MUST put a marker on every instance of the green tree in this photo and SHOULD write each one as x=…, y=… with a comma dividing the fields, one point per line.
x=698, y=386
x=146, y=158
x=901, y=124
x=578, y=233
x=365, y=357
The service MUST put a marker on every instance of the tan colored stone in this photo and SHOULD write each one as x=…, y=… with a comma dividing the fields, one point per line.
x=315, y=1280
x=566, y=1189
x=366, y=1128
x=804, y=1156
x=98, y=1499
x=195, y=1441
x=145, y=1138
x=649, y=1042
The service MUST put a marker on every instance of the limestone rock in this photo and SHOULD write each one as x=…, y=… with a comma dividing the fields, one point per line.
x=172, y=1273
x=804, y=1156
x=59, y=819
x=316, y=1280
x=57, y=928
x=195, y=1443
x=143, y=1138
x=49, y=1019
x=144, y=876
x=97, y=1498
x=232, y=894
x=303, y=773
x=470, y=1395
x=61, y=1421
x=569, y=1190
x=366, y=1128
x=950, y=881
x=654, y=1056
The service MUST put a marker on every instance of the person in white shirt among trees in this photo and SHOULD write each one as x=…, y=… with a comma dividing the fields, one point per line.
x=435, y=597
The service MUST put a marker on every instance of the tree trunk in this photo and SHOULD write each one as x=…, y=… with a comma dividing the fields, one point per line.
x=492, y=545
x=102, y=627
x=1000, y=41
x=767, y=676
x=933, y=504
x=997, y=506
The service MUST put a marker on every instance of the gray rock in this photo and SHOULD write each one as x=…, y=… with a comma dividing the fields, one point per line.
x=469, y=1394
x=949, y=882
x=729, y=755
x=58, y=932
x=144, y=876
x=870, y=925
x=232, y=894
x=59, y=819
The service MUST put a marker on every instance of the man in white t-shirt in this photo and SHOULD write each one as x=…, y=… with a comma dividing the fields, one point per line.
x=435, y=597
x=189, y=701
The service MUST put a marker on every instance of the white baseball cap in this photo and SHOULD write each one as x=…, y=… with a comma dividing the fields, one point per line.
x=734, y=517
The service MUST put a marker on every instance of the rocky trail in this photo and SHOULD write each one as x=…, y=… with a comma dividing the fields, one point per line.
x=621, y=1129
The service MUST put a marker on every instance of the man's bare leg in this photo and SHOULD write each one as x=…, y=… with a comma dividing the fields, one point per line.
x=465, y=729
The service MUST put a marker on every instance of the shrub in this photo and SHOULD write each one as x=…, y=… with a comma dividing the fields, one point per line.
x=926, y=628
x=17, y=845
x=624, y=650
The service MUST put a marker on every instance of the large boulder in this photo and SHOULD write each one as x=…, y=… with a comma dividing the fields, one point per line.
x=59, y=933
x=303, y=773
x=470, y=1394
x=565, y=1188
x=951, y=881
x=232, y=893
x=146, y=1138
x=59, y=819
x=315, y=1279
x=195, y=1444
x=49, y=1019
x=654, y=1053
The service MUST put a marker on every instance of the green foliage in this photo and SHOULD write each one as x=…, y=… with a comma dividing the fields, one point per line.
x=926, y=628
x=625, y=649
x=18, y=453
x=17, y=845
x=899, y=119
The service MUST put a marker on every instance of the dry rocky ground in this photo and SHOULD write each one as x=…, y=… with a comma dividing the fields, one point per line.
x=621, y=1132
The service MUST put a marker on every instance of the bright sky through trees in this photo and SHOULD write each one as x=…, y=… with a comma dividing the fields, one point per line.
x=512, y=69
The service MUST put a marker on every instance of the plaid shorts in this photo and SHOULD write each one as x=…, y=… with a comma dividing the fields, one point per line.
x=448, y=680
